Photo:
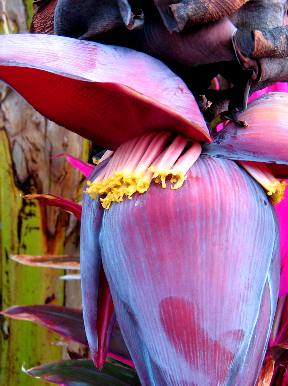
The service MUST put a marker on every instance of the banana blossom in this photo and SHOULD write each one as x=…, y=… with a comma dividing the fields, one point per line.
x=181, y=225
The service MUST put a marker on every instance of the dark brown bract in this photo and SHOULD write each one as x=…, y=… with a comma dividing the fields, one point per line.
x=244, y=41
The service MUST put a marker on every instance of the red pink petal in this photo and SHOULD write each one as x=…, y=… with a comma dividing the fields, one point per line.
x=83, y=167
x=105, y=93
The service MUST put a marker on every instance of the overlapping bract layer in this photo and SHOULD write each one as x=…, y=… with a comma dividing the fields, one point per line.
x=265, y=139
x=198, y=276
x=178, y=14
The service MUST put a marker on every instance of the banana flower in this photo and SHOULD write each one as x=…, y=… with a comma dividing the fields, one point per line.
x=180, y=225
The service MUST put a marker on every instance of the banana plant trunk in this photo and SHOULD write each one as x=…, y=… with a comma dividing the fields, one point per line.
x=27, y=145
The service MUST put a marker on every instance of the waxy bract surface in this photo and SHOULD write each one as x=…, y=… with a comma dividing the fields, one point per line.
x=264, y=139
x=103, y=97
x=192, y=277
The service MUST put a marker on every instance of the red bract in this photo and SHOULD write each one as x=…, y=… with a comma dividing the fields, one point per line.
x=105, y=93
x=193, y=270
x=60, y=202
